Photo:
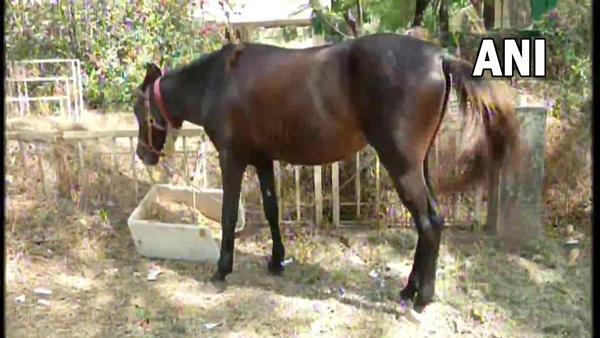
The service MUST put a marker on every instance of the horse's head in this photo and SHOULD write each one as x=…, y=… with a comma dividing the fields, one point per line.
x=152, y=127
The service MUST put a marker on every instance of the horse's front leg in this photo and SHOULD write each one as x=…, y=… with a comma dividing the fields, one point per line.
x=266, y=178
x=232, y=171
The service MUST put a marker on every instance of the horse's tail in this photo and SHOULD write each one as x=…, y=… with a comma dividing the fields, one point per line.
x=491, y=124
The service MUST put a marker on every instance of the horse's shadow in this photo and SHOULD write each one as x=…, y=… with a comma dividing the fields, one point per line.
x=300, y=279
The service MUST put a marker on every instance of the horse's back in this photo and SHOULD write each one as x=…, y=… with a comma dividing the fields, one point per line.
x=294, y=105
x=309, y=106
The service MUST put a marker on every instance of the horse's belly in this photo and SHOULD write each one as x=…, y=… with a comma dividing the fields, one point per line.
x=320, y=147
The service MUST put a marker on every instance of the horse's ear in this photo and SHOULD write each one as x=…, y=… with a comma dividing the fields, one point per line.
x=152, y=69
x=227, y=35
x=235, y=55
x=153, y=72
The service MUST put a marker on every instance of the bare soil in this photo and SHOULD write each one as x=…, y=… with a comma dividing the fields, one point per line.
x=341, y=283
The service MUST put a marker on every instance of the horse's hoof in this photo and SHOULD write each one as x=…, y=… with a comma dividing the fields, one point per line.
x=407, y=295
x=218, y=279
x=275, y=268
x=419, y=306
x=215, y=287
x=421, y=302
x=218, y=284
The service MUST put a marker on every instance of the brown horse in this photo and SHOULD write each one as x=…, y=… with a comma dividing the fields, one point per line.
x=261, y=103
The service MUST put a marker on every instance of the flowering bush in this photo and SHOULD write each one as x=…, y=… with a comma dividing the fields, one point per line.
x=567, y=30
x=568, y=158
x=112, y=38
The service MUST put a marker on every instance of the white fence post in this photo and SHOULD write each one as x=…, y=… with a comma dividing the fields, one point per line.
x=318, y=195
x=335, y=192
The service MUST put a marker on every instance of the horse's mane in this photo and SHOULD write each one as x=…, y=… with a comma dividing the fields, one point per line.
x=203, y=64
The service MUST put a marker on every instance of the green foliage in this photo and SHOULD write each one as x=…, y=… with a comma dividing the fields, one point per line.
x=112, y=38
x=547, y=252
x=104, y=215
x=392, y=16
x=330, y=22
x=567, y=31
x=568, y=37
x=388, y=16
x=289, y=33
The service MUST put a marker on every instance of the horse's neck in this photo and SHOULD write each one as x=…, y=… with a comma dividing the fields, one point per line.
x=196, y=90
x=185, y=100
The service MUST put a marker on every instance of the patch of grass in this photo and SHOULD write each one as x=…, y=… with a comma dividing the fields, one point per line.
x=524, y=291
x=99, y=284
x=547, y=252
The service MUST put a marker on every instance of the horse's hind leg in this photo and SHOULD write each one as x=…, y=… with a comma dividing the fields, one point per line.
x=437, y=220
x=267, y=188
x=406, y=172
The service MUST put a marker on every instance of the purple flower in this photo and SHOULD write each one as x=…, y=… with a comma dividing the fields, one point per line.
x=549, y=105
x=128, y=23
x=54, y=2
x=102, y=79
x=553, y=15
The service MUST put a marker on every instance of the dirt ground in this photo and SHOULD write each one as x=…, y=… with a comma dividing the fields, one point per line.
x=338, y=284
x=342, y=283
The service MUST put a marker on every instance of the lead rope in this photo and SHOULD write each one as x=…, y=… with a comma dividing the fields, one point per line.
x=191, y=185
x=197, y=168
x=194, y=190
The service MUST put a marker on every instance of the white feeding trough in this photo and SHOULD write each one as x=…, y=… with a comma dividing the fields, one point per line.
x=189, y=232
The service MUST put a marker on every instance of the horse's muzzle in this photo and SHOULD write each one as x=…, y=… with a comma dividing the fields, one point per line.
x=147, y=157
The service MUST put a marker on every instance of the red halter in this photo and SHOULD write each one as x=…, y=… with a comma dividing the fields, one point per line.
x=152, y=122
x=162, y=108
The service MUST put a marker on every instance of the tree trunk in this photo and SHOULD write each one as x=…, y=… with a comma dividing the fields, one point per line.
x=488, y=14
x=444, y=26
x=520, y=13
x=359, y=16
x=419, y=9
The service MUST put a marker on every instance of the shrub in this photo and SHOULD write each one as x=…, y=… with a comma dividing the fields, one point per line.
x=112, y=38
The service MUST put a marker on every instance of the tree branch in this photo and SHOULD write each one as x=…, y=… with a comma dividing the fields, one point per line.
x=334, y=28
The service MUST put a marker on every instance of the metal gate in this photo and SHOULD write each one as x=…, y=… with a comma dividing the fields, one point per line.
x=44, y=87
